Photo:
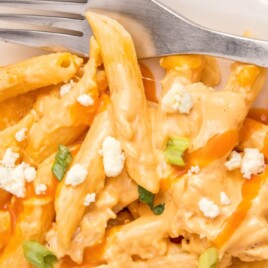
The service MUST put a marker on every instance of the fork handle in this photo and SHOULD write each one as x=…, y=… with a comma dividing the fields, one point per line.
x=195, y=39
x=230, y=46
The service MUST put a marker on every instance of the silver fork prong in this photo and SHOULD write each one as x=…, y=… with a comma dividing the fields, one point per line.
x=76, y=44
x=70, y=25
x=71, y=6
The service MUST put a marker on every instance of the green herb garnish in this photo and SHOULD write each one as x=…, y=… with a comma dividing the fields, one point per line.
x=63, y=159
x=148, y=198
x=158, y=210
x=38, y=255
x=209, y=258
x=175, y=149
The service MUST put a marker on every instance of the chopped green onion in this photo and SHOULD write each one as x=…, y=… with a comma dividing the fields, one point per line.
x=63, y=159
x=159, y=209
x=209, y=258
x=175, y=149
x=38, y=255
x=148, y=198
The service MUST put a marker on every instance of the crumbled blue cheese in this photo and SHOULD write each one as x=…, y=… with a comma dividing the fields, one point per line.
x=209, y=208
x=13, y=177
x=252, y=162
x=177, y=99
x=85, y=100
x=76, y=175
x=234, y=161
x=21, y=135
x=90, y=198
x=40, y=189
x=30, y=174
x=12, y=180
x=113, y=157
x=10, y=158
x=66, y=88
x=225, y=200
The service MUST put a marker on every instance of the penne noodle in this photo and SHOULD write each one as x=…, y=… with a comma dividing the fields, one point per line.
x=117, y=194
x=68, y=119
x=37, y=72
x=189, y=66
x=129, y=107
x=7, y=136
x=231, y=107
x=46, y=99
x=247, y=80
x=211, y=74
x=69, y=203
x=14, y=109
x=253, y=135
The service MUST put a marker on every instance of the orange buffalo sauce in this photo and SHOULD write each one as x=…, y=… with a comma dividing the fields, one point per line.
x=250, y=190
x=216, y=148
x=149, y=84
x=259, y=114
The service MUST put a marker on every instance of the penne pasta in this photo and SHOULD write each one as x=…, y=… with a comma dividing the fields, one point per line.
x=69, y=203
x=8, y=135
x=118, y=193
x=128, y=99
x=14, y=109
x=246, y=80
x=211, y=74
x=189, y=66
x=38, y=72
x=254, y=135
x=68, y=119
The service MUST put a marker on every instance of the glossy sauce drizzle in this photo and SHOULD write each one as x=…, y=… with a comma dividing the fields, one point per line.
x=148, y=83
x=259, y=114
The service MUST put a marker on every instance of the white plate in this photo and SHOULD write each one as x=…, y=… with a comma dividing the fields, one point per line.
x=232, y=16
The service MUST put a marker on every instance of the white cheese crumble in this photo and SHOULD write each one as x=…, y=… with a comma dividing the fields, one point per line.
x=85, y=100
x=9, y=158
x=113, y=157
x=177, y=99
x=76, y=175
x=234, y=161
x=193, y=170
x=252, y=162
x=21, y=135
x=12, y=180
x=225, y=200
x=209, y=208
x=66, y=88
x=29, y=174
x=40, y=189
x=90, y=198
x=13, y=177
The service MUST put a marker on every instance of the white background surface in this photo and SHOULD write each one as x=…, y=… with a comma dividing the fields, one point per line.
x=232, y=16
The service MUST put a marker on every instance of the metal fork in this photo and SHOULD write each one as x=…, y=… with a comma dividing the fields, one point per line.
x=156, y=29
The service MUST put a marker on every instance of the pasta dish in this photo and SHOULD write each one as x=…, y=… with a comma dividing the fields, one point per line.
x=95, y=172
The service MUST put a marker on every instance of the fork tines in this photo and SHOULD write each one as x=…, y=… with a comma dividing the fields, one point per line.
x=45, y=24
x=72, y=6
